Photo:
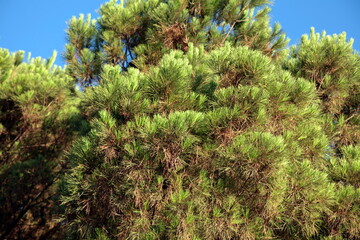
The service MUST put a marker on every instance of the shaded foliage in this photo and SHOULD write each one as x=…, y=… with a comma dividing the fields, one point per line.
x=38, y=109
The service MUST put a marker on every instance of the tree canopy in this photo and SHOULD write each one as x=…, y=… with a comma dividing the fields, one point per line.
x=38, y=108
x=182, y=120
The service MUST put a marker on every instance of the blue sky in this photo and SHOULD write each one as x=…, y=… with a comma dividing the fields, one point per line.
x=38, y=26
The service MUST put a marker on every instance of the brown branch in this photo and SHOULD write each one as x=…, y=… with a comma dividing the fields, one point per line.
x=233, y=25
x=33, y=203
x=231, y=28
x=236, y=21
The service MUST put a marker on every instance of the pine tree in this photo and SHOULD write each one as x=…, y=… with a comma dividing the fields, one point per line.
x=331, y=64
x=38, y=105
x=191, y=120
x=138, y=33
x=203, y=127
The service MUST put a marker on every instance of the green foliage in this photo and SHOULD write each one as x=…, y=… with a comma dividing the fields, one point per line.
x=329, y=62
x=138, y=33
x=346, y=169
x=195, y=124
x=38, y=107
x=344, y=220
x=219, y=144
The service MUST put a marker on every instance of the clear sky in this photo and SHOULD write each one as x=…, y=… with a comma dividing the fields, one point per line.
x=38, y=26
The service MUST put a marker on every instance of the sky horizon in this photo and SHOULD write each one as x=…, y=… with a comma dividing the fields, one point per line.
x=39, y=26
